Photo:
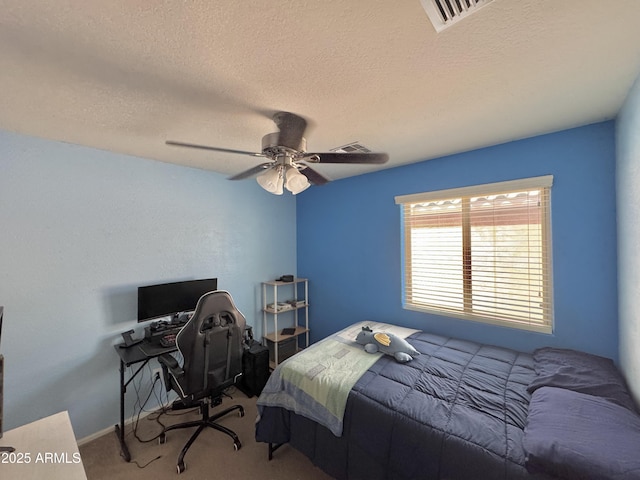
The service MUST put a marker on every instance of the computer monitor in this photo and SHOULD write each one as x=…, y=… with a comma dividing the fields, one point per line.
x=167, y=299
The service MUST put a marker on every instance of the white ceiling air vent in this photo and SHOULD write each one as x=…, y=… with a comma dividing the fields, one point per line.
x=444, y=13
x=353, y=147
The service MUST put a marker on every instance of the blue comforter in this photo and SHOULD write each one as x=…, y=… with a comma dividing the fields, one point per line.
x=457, y=411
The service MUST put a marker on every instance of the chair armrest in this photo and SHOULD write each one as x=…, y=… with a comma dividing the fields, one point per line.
x=169, y=361
x=171, y=370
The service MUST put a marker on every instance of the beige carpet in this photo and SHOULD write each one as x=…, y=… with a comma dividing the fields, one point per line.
x=212, y=456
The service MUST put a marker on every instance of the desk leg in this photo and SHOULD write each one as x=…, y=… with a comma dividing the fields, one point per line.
x=124, y=450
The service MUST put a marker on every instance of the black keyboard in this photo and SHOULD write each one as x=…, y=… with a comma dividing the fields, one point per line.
x=168, y=341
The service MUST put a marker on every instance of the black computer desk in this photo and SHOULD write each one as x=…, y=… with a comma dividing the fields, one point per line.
x=130, y=356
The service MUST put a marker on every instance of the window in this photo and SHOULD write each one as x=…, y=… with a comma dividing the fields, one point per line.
x=481, y=253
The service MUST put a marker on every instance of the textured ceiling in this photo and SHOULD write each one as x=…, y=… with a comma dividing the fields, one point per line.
x=125, y=76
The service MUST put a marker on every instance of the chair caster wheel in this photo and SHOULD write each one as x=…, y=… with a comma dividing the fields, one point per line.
x=162, y=439
x=237, y=445
x=181, y=468
x=241, y=413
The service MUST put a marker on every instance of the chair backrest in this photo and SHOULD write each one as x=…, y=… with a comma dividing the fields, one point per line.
x=211, y=344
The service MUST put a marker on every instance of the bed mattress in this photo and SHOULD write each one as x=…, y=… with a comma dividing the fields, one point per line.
x=457, y=411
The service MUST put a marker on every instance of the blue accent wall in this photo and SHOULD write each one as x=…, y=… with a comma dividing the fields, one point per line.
x=349, y=240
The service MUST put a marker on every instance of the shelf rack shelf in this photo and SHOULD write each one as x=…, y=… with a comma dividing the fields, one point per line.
x=296, y=306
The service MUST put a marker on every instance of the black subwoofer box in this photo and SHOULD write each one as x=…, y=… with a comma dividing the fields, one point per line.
x=255, y=369
x=286, y=348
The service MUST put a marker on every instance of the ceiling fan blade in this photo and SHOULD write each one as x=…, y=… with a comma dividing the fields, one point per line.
x=313, y=176
x=292, y=129
x=335, y=157
x=252, y=171
x=215, y=149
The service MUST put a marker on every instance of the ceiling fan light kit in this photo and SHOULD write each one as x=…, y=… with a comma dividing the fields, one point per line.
x=296, y=182
x=272, y=180
x=286, y=151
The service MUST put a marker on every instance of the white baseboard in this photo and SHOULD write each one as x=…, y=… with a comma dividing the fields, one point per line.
x=106, y=431
x=171, y=397
x=127, y=423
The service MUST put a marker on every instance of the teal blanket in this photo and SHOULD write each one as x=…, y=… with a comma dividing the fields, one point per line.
x=316, y=382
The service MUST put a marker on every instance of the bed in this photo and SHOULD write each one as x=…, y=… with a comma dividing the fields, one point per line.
x=459, y=410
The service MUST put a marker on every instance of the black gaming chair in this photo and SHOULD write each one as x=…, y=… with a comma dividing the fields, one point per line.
x=211, y=346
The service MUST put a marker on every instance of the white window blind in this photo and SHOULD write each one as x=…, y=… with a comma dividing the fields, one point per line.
x=481, y=253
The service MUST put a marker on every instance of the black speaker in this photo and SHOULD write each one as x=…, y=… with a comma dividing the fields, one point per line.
x=255, y=369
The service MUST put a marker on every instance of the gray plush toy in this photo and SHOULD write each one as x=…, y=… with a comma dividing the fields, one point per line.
x=386, y=343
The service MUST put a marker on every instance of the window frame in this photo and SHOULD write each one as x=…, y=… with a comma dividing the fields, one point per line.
x=546, y=325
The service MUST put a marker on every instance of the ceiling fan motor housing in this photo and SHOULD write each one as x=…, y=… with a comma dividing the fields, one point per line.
x=272, y=147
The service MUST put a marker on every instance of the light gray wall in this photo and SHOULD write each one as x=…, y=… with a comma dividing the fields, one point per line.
x=80, y=230
x=628, y=208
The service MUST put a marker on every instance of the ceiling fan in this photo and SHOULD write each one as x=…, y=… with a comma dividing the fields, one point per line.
x=288, y=158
